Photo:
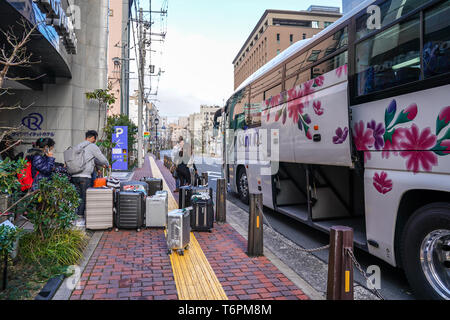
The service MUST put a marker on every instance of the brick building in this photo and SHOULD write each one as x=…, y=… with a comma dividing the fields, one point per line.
x=276, y=31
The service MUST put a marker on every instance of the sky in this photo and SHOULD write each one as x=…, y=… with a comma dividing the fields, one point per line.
x=203, y=37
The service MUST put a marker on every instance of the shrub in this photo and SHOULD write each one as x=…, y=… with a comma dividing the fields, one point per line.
x=61, y=249
x=8, y=237
x=53, y=207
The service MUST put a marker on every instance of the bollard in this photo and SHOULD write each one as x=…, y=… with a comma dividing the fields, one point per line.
x=255, y=226
x=205, y=178
x=221, y=201
x=340, y=265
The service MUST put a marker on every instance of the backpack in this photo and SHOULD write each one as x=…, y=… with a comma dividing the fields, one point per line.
x=75, y=159
x=25, y=176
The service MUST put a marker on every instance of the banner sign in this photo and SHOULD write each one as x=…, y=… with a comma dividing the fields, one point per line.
x=120, y=151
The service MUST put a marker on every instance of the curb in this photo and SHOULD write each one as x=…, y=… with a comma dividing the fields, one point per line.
x=307, y=289
x=64, y=292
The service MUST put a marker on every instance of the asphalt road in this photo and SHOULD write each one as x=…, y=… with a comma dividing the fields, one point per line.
x=394, y=285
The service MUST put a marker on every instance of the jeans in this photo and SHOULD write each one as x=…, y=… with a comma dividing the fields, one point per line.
x=82, y=184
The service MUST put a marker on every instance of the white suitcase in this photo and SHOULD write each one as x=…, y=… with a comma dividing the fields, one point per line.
x=99, y=208
x=156, y=212
x=165, y=196
x=179, y=230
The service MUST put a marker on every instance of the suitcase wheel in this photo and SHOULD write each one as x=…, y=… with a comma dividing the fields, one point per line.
x=117, y=230
x=169, y=252
x=138, y=230
x=181, y=252
x=187, y=247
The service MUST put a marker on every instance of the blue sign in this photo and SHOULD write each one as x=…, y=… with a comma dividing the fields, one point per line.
x=120, y=151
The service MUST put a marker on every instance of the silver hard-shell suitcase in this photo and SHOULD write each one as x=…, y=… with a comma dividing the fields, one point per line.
x=99, y=208
x=156, y=212
x=179, y=230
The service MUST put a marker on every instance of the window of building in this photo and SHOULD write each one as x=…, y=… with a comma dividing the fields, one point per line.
x=304, y=36
x=278, y=38
x=315, y=24
x=314, y=56
x=292, y=23
x=278, y=51
x=291, y=38
x=436, y=50
x=327, y=24
x=389, y=58
x=390, y=11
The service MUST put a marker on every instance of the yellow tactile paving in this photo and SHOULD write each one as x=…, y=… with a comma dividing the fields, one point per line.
x=194, y=277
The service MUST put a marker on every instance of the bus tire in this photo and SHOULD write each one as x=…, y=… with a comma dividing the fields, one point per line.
x=242, y=186
x=427, y=234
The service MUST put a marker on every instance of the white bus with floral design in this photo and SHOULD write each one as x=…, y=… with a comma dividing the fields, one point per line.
x=360, y=119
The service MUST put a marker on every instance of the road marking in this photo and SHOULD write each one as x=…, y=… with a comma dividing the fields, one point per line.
x=194, y=277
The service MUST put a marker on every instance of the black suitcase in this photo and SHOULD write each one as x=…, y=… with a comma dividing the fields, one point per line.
x=154, y=185
x=202, y=215
x=131, y=186
x=130, y=212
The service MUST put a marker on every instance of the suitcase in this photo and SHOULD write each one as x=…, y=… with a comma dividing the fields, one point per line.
x=99, y=208
x=154, y=185
x=165, y=195
x=130, y=210
x=184, y=197
x=156, y=212
x=202, y=215
x=134, y=186
x=179, y=230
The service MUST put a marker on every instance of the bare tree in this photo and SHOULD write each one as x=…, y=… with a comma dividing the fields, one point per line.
x=14, y=54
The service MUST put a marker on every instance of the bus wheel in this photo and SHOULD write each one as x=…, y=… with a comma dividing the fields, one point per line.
x=243, y=186
x=426, y=251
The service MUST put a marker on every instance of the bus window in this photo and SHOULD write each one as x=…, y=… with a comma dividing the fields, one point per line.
x=330, y=65
x=272, y=92
x=325, y=48
x=298, y=79
x=259, y=87
x=436, y=51
x=390, y=58
x=295, y=65
x=390, y=11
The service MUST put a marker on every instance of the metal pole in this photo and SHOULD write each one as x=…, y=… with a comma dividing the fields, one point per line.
x=340, y=265
x=221, y=201
x=255, y=226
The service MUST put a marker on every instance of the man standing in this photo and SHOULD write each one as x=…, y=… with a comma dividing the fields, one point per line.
x=175, y=160
x=82, y=180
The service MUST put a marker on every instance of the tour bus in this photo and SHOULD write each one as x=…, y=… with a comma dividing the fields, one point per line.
x=356, y=124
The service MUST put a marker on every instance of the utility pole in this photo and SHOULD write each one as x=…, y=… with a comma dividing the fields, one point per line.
x=142, y=54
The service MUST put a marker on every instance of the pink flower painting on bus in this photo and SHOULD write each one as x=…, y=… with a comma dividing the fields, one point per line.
x=382, y=183
x=318, y=82
x=378, y=133
x=363, y=139
x=392, y=145
x=317, y=106
x=443, y=120
x=342, y=71
x=417, y=146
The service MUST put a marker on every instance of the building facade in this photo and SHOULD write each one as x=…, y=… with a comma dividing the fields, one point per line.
x=276, y=31
x=71, y=53
x=118, y=54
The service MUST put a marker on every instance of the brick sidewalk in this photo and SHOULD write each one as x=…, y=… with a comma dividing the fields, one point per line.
x=131, y=265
